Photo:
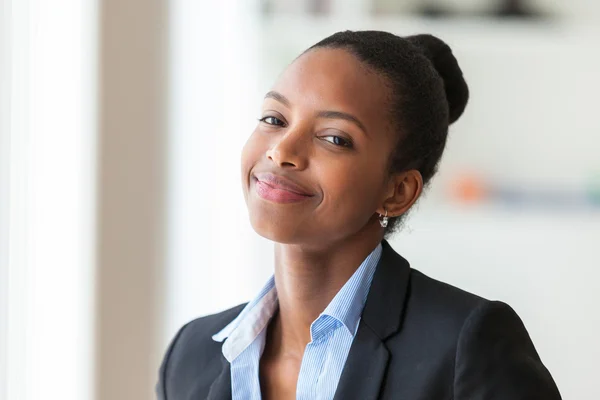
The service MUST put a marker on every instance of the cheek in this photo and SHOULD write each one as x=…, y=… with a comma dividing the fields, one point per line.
x=352, y=189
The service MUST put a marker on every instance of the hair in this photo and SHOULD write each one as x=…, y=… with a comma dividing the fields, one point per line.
x=428, y=93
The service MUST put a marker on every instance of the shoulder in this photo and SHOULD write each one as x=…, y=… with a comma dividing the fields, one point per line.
x=433, y=317
x=192, y=353
x=494, y=347
x=440, y=300
x=458, y=313
x=425, y=300
x=483, y=344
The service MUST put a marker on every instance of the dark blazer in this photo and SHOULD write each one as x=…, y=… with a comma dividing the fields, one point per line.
x=418, y=339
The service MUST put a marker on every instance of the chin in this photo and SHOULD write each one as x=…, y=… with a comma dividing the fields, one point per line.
x=271, y=229
x=279, y=223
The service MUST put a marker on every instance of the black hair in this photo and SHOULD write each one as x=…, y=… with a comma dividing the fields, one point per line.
x=428, y=89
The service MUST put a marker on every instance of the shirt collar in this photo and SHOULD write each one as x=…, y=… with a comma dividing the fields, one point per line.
x=257, y=303
x=346, y=307
x=348, y=303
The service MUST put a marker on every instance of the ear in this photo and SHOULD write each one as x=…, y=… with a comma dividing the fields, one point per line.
x=404, y=188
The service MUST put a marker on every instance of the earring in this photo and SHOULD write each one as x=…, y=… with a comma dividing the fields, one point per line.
x=383, y=219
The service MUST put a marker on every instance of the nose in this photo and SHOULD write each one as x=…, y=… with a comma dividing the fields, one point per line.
x=289, y=150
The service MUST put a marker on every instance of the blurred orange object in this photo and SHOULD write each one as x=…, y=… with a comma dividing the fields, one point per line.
x=468, y=189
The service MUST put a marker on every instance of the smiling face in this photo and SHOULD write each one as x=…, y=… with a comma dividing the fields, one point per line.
x=314, y=171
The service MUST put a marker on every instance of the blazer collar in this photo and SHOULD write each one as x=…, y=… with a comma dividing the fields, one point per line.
x=385, y=302
x=368, y=358
x=382, y=316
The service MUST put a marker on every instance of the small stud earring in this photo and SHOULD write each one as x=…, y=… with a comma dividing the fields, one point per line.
x=383, y=219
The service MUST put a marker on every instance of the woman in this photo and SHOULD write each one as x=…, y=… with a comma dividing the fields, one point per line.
x=350, y=135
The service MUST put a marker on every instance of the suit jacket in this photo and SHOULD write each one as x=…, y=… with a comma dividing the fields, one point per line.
x=418, y=339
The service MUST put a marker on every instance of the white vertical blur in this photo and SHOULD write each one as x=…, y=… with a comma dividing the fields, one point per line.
x=46, y=198
x=5, y=29
x=213, y=255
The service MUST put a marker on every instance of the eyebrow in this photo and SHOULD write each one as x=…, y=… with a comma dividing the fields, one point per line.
x=344, y=116
x=322, y=114
x=278, y=96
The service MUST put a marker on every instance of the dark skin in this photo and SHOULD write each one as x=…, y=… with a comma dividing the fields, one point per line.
x=341, y=159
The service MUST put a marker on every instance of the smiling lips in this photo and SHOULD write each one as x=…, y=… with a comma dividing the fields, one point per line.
x=279, y=189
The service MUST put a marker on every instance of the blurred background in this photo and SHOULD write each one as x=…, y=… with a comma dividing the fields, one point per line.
x=121, y=213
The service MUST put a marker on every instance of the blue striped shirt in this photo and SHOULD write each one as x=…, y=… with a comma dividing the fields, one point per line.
x=324, y=356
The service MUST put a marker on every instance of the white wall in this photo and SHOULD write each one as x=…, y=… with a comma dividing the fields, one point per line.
x=213, y=109
x=47, y=190
x=5, y=28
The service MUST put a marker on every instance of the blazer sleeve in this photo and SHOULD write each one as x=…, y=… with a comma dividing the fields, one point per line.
x=496, y=359
x=161, y=384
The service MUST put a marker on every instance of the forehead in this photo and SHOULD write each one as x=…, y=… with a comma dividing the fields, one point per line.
x=334, y=79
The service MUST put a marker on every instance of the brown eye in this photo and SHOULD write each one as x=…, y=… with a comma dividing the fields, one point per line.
x=338, y=141
x=272, y=121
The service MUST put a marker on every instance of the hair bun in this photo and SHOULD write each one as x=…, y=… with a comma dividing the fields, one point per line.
x=440, y=55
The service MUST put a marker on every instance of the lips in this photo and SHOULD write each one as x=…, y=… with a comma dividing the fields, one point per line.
x=281, y=183
x=280, y=189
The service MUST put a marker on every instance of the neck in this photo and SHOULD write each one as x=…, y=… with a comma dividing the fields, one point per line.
x=307, y=280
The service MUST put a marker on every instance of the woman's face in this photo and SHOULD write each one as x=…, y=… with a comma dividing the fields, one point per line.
x=314, y=171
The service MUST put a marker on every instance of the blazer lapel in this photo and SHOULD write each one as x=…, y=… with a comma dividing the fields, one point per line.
x=221, y=387
x=368, y=359
x=365, y=367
